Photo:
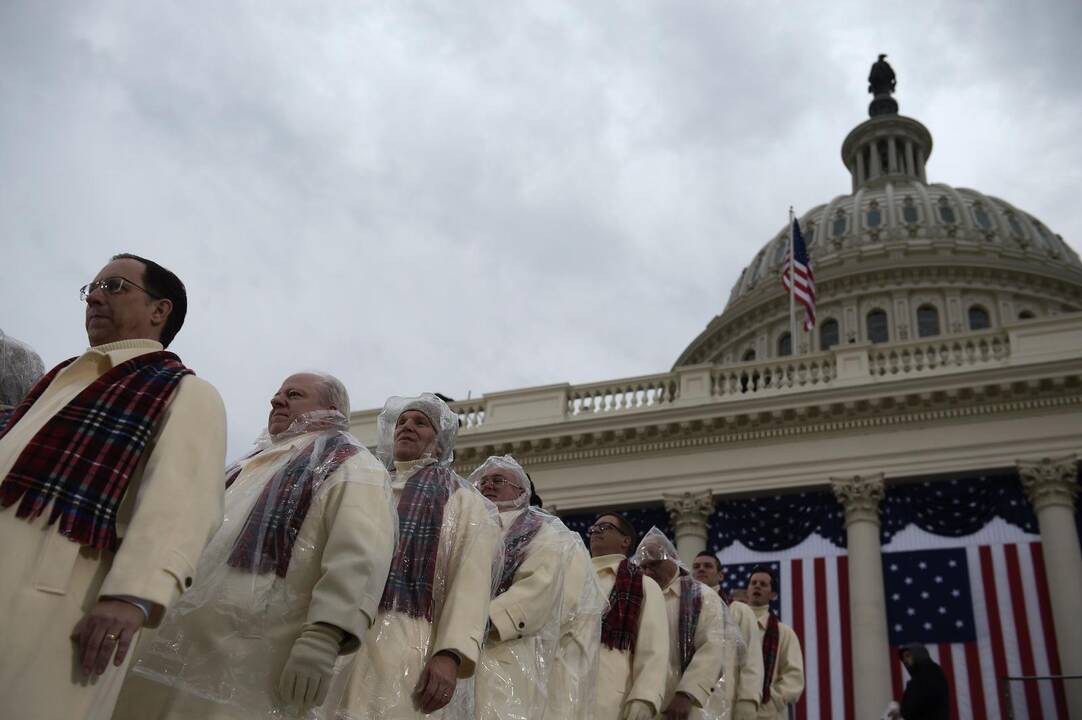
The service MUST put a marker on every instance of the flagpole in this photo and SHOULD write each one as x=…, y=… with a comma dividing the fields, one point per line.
x=793, y=344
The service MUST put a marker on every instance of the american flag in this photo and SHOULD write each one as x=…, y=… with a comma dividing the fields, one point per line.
x=982, y=609
x=798, y=263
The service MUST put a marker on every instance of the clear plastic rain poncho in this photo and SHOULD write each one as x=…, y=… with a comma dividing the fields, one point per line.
x=697, y=615
x=720, y=705
x=20, y=368
x=525, y=615
x=573, y=682
x=221, y=649
x=440, y=583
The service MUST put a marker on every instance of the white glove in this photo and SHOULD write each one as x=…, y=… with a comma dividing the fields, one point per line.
x=308, y=671
x=745, y=710
x=638, y=710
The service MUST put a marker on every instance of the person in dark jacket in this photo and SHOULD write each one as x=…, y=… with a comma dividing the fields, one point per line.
x=926, y=696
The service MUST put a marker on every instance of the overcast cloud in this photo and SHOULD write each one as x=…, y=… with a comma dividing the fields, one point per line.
x=477, y=196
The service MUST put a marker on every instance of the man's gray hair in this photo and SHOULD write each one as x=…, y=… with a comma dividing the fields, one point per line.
x=334, y=393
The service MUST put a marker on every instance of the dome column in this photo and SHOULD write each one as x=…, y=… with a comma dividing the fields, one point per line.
x=690, y=516
x=860, y=496
x=1052, y=488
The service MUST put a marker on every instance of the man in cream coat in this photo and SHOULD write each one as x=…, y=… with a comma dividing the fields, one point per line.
x=635, y=629
x=780, y=658
x=431, y=622
x=696, y=628
x=110, y=486
x=288, y=584
x=524, y=617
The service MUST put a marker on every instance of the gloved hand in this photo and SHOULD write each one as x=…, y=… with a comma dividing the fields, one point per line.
x=745, y=710
x=307, y=674
x=638, y=710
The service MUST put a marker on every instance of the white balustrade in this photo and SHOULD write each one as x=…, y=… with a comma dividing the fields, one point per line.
x=930, y=354
x=622, y=395
x=770, y=376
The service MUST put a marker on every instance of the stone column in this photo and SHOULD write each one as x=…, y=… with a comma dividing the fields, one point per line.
x=690, y=514
x=1052, y=487
x=860, y=496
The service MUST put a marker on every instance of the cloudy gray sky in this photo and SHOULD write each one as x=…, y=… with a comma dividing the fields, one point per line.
x=477, y=196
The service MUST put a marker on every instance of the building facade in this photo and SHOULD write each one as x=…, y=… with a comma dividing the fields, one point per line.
x=935, y=408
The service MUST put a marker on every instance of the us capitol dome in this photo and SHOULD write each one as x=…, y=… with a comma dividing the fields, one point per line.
x=898, y=258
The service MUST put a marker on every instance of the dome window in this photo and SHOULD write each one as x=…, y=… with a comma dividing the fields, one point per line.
x=785, y=345
x=878, y=332
x=979, y=318
x=927, y=321
x=780, y=250
x=1016, y=227
x=1026, y=315
x=749, y=355
x=874, y=218
x=841, y=223
x=946, y=212
x=909, y=212
x=980, y=215
x=828, y=334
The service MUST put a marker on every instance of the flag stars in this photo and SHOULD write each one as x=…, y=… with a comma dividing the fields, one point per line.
x=939, y=579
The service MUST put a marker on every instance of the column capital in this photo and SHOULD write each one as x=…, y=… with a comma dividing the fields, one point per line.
x=860, y=496
x=689, y=511
x=1050, y=481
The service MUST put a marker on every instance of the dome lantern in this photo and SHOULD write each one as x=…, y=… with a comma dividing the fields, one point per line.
x=887, y=146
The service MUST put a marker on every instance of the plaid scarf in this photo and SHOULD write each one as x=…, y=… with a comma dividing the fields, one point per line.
x=412, y=577
x=521, y=533
x=266, y=541
x=691, y=604
x=82, y=458
x=771, y=639
x=620, y=626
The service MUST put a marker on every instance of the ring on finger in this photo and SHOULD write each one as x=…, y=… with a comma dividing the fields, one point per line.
x=110, y=636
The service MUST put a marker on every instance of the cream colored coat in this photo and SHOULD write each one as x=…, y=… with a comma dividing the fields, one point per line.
x=787, y=683
x=743, y=677
x=573, y=682
x=511, y=682
x=702, y=673
x=171, y=508
x=397, y=646
x=622, y=676
x=238, y=640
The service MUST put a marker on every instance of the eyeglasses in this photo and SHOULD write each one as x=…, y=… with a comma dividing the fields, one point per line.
x=496, y=482
x=113, y=286
x=602, y=527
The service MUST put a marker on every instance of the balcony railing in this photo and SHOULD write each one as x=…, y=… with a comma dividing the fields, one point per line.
x=940, y=352
x=1035, y=341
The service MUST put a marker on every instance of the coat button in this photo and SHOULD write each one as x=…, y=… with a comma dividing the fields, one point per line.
x=187, y=582
x=521, y=625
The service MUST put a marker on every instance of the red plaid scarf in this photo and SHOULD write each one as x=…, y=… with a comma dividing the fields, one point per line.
x=82, y=458
x=691, y=605
x=266, y=541
x=521, y=533
x=412, y=578
x=771, y=639
x=620, y=626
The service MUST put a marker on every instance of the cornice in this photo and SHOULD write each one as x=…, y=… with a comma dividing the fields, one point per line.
x=718, y=425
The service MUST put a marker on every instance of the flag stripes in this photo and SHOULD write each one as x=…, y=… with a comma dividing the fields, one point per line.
x=1009, y=626
x=798, y=278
